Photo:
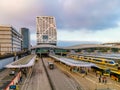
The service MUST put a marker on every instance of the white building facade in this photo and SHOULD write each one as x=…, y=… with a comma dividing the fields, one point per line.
x=46, y=30
x=10, y=40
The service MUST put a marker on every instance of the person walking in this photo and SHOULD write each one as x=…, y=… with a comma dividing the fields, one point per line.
x=102, y=79
x=20, y=79
x=17, y=86
x=105, y=80
x=86, y=73
x=99, y=79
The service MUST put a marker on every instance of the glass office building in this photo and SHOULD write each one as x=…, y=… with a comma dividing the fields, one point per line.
x=46, y=30
x=10, y=40
x=26, y=38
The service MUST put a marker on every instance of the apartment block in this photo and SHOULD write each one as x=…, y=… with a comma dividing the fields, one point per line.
x=10, y=40
x=46, y=30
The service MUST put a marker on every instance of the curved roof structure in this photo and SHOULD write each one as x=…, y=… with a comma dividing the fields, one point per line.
x=27, y=61
x=72, y=62
x=91, y=46
x=101, y=55
x=45, y=46
x=76, y=46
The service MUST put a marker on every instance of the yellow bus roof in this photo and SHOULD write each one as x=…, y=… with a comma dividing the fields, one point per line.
x=118, y=72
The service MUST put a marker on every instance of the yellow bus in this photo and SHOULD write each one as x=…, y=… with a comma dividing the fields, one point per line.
x=102, y=71
x=115, y=75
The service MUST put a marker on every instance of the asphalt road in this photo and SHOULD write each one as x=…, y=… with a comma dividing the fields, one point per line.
x=4, y=73
x=60, y=80
x=90, y=81
x=63, y=79
x=38, y=79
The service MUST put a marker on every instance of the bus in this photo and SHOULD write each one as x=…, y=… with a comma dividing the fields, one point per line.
x=102, y=71
x=115, y=75
x=50, y=65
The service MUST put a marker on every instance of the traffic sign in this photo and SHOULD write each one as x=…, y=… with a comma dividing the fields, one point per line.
x=13, y=87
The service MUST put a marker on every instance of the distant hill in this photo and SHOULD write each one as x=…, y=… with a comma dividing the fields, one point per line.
x=71, y=43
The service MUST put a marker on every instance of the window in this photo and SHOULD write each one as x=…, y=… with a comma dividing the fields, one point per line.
x=45, y=38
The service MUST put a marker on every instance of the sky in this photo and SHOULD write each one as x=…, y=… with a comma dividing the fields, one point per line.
x=76, y=20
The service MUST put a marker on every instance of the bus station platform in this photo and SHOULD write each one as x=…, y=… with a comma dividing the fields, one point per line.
x=27, y=61
x=20, y=69
x=71, y=62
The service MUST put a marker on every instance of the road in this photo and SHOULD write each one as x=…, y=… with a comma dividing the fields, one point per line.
x=63, y=79
x=3, y=80
x=4, y=73
x=38, y=79
x=60, y=80
x=90, y=81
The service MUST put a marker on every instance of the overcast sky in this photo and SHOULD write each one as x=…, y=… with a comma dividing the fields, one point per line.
x=76, y=20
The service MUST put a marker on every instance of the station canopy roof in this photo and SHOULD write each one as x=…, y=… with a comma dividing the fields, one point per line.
x=91, y=46
x=72, y=62
x=46, y=46
x=81, y=46
x=27, y=61
x=102, y=55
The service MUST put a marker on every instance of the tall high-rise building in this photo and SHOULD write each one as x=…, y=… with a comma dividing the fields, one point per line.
x=46, y=30
x=26, y=38
x=10, y=40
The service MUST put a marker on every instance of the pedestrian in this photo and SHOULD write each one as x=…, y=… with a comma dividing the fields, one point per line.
x=70, y=69
x=96, y=74
x=20, y=79
x=86, y=73
x=99, y=79
x=17, y=86
x=105, y=80
x=25, y=73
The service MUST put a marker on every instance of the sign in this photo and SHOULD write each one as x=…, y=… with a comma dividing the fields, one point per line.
x=13, y=87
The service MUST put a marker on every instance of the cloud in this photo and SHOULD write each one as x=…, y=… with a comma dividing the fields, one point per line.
x=107, y=35
x=69, y=14
x=91, y=14
x=77, y=16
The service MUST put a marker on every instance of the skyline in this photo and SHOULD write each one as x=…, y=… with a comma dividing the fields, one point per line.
x=76, y=20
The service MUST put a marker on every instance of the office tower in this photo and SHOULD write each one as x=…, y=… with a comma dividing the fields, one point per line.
x=46, y=30
x=10, y=40
x=26, y=38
